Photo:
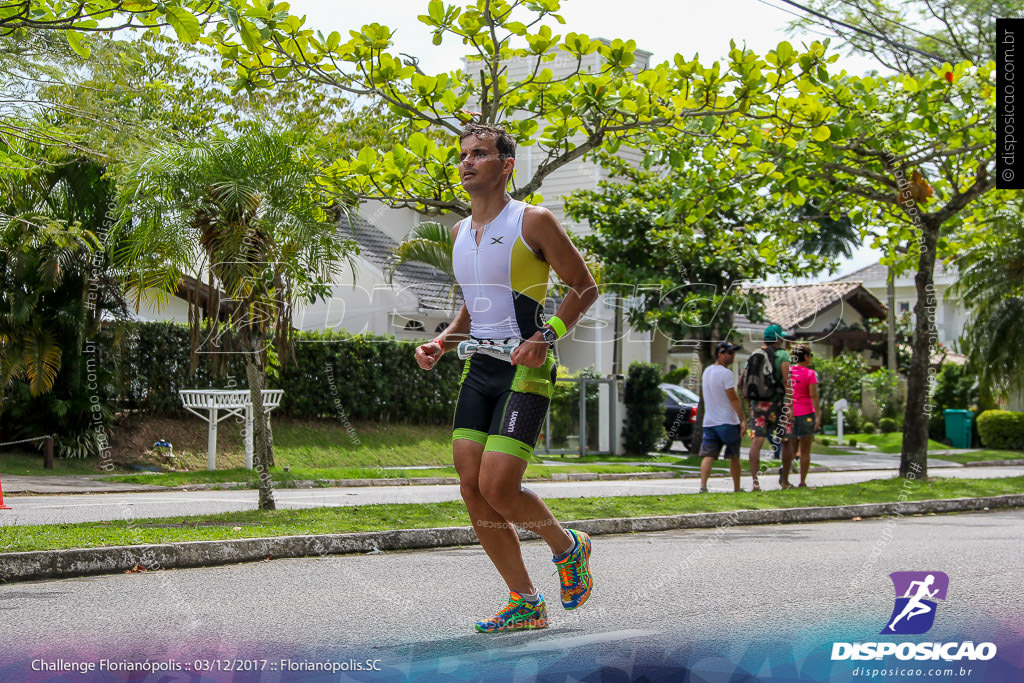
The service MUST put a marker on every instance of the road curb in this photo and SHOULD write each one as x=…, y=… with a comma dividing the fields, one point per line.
x=52, y=564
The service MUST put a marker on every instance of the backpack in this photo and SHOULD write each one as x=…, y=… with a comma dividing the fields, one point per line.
x=760, y=382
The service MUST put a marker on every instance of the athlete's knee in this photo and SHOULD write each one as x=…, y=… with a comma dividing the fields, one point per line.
x=499, y=494
x=470, y=491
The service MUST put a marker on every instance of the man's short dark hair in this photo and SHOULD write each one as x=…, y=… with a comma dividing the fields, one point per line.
x=505, y=143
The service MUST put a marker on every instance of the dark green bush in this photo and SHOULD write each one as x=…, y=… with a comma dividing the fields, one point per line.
x=887, y=425
x=1001, y=429
x=367, y=377
x=676, y=376
x=868, y=427
x=937, y=426
x=645, y=409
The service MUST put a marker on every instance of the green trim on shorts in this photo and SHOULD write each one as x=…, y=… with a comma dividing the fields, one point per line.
x=465, y=370
x=470, y=434
x=503, y=444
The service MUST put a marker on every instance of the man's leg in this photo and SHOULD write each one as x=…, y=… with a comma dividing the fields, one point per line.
x=735, y=469
x=705, y=470
x=501, y=484
x=755, y=460
x=787, y=462
x=805, y=457
x=710, y=446
x=496, y=534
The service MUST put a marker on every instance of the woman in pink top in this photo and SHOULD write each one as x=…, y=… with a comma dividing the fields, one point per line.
x=806, y=409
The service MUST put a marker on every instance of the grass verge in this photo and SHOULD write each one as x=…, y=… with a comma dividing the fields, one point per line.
x=282, y=478
x=979, y=456
x=254, y=524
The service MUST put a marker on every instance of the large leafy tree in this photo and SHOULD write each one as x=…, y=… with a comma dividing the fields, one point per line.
x=241, y=225
x=681, y=242
x=933, y=118
x=44, y=42
x=565, y=110
x=914, y=156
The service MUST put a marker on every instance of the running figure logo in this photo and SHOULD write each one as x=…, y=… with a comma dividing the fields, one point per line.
x=914, y=612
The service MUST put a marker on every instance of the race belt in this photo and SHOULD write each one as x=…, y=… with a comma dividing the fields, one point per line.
x=498, y=348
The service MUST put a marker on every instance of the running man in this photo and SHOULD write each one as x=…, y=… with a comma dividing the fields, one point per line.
x=501, y=256
x=914, y=606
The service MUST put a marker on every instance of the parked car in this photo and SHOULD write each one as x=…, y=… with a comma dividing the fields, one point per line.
x=680, y=414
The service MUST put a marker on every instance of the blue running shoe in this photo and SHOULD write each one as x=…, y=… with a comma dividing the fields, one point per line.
x=574, y=572
x=517, y=615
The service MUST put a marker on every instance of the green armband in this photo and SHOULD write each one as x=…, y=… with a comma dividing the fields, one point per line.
x=557, y=325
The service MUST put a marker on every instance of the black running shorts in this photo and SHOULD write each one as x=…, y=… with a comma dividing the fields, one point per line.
x=503, y=406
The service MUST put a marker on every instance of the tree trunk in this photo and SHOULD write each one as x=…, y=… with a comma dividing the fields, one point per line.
x=262, y=445
x=890, y=319
x=914, y=453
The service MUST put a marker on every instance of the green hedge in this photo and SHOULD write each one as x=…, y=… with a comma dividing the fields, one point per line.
x=366, y=377
x=1001, y=429
x=645, y=409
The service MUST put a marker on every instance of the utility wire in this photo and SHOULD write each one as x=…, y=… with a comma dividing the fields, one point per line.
x=863, y=31
x=907, y=27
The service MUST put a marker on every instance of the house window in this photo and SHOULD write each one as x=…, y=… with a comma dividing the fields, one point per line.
x=441, y=327
x=414, y=326
x=904, y=307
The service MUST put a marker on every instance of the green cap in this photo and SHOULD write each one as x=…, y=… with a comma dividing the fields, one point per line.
x=774, y=333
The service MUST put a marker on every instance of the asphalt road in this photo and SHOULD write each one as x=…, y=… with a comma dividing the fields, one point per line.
x=763, y=601
x=63, y=509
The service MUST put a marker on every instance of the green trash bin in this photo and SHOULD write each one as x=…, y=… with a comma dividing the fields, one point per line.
x=958, y=427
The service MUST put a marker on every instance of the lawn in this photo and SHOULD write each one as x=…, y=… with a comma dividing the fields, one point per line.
x=979, y=456
x=253, y=523
x=887, y=443
x=29, y=463
x=283, y=478
x=297, y=444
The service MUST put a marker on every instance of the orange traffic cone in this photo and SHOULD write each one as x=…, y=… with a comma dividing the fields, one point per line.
x=2, y=506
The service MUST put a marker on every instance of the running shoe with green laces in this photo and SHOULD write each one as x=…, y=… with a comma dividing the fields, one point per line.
x=517, y=615
x=574, y=572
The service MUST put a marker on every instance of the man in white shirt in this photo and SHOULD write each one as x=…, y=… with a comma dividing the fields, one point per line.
x=723, y=415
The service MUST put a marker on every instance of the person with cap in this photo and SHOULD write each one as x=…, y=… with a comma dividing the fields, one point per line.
x=723, y=416
x=765, y=385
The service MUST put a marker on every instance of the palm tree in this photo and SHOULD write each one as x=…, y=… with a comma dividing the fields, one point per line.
x=429, y=243
x=246, y=217
x=992, y=285
x=54, y=290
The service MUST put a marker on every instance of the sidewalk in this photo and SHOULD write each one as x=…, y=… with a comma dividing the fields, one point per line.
x=92, y=483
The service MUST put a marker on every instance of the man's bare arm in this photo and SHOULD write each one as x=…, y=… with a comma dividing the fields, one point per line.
x=737, y=405
x=548, y=239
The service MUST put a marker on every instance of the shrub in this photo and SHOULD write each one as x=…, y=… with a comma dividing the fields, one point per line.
x=868, y=427
x=937, y=426
x=824, y=441
x=676, y=376
x=645, y=409
x=887, y=425
x=368, y=377
x=853, y=443
x=853, y=420
x=1001, y=429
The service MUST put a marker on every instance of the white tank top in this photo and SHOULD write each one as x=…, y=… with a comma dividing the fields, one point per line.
x=504, y=283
